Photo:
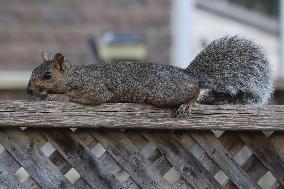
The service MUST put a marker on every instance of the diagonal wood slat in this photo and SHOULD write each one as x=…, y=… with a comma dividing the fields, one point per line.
x=253, y=168
x=25, y=151
x=175, y=147
x=224, y=160
x=82, y=159
x=186, y=164
x=266, y=153
x=127, y=155
x=7, y=177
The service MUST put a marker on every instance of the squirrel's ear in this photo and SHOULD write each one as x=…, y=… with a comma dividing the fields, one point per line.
x=44, y=56
x=59, y=61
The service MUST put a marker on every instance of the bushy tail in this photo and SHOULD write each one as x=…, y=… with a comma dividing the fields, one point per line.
x=235, y=70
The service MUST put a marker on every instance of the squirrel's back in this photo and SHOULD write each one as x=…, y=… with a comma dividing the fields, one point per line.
x=235, y=70
x=161, y=85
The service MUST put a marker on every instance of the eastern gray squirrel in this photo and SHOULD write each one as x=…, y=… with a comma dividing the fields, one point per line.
x=232, y=69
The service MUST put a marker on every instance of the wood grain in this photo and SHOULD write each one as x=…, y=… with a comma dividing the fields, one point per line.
x=266, y=153
x=127, y=115
x=27, y=152
x=82, y=159
x=145, y=156
x=185, y=163
x=7, y=177
x=224, y=160
x=127, y=155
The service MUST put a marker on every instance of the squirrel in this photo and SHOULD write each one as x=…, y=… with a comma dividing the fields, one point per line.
x=232, y=69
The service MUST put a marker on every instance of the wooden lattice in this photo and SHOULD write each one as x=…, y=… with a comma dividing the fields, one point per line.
x=89, y=158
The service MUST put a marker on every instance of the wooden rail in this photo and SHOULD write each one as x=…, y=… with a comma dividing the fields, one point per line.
x=170, y=153
x=60, y=114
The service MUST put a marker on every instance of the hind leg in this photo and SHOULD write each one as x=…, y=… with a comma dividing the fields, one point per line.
x=184, y=110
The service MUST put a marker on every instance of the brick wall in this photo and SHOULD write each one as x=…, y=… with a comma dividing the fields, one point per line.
x=27, y=27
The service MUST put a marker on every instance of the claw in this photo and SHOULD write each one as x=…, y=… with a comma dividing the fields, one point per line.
x=184, y=111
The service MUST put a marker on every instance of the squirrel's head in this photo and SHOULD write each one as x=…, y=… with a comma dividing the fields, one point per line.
x=49, y=77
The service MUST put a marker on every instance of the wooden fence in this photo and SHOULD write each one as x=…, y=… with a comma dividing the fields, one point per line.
x=139, y=146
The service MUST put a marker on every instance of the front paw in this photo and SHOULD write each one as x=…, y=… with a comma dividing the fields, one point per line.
x=56, y=97
x=184, y=111
x=51, y=97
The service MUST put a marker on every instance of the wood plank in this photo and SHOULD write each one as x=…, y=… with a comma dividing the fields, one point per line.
x=9, y=162
x=276, y=185
x=254, y=168
x=160, y=161
x=231, y=142
x=223, y=159
x=7, y=180
x=187, y=143
x=136, y=138
x=128, y=156
x=185, y=163
x=8, y=167
x=182, y=184
x=277, y=139
x=110, y=166
x=82, y=184
x=38, y=142
x=61, y=164
x=27, y=152
x=264, y=150
x=113, y=168
x=63, y=114
x=81, y=158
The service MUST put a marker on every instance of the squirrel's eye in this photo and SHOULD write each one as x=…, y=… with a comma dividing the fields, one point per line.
x=47, y=76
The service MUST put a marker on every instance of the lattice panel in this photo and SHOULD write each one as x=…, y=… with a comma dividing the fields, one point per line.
x=81, y=158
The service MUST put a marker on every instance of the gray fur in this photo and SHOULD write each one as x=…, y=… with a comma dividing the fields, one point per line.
x=235, y=70
x=159, y=85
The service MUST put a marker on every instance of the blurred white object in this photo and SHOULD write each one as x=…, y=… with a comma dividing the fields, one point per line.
x=122, y=46
x=14, y=79
x=181, y=25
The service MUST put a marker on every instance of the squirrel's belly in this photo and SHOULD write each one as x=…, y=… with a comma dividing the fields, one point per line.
x=156, y=84
x=164, y=94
